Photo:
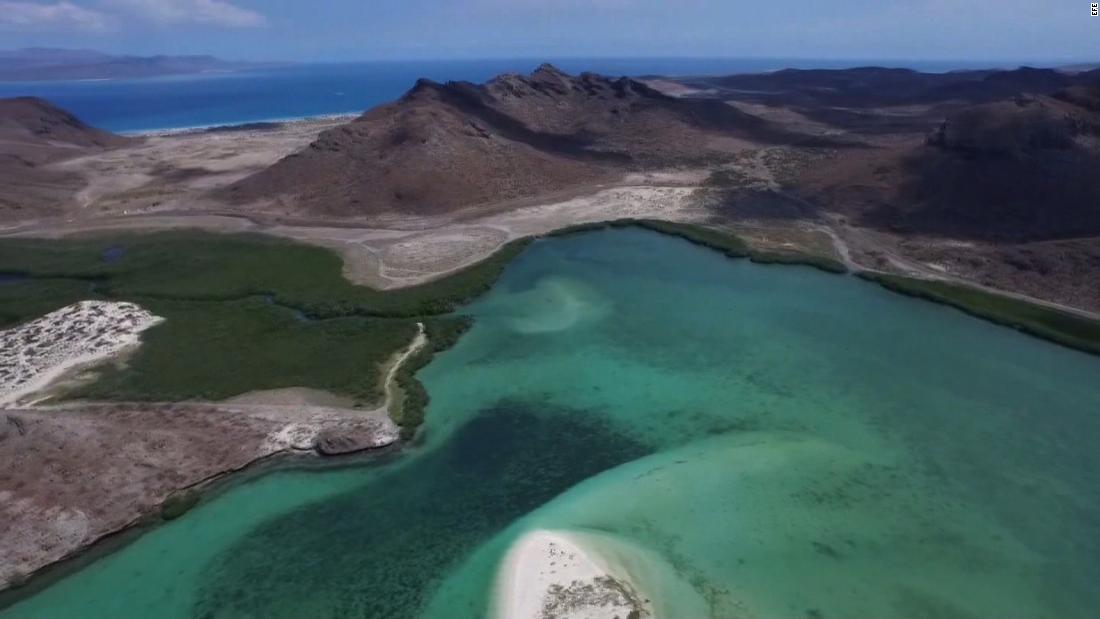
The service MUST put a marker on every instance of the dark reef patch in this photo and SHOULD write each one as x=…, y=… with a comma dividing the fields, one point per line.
x=399, y=532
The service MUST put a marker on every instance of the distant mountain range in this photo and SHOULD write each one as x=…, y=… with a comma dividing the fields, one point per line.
x=36, y=64
x=988, y=155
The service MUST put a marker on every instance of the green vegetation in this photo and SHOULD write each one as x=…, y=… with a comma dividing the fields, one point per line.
x=442, y=334
x=1048, y=323
x=211, y=350
x=725, y=242
x=248, y=312
x=818, y=262
x=30, y=298
x=203, y=266
x=243, y=313
x=179, y=504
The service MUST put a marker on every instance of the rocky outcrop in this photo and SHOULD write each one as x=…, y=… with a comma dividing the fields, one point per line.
x=77, y=474
x=443, y=147
x=1020, y=127
x=1022, y=169
x=337, y=441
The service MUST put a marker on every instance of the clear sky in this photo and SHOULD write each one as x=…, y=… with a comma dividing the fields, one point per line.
x=999, y=30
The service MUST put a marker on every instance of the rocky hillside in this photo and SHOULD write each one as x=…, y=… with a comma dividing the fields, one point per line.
x=33, y=134
x=881, y=86
x=37, y=131
x=446, y=146
x=1018, y=169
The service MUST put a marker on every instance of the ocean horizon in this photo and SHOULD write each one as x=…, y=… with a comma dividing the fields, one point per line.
x=279, y=94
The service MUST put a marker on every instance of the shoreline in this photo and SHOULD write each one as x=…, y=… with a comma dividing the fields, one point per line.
x=323, y=439
x=556, y=570
x=207, y=489
x=286, y=457
x=239, y=125
x=241, y=439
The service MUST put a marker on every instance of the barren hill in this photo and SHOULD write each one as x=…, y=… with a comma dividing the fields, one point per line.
x=1018, y=169
x=883, y=86
x=448, y=146
x=33, y=134
x=38, y=131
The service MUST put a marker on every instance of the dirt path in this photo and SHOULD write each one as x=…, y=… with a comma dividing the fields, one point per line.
x=913, y=268
x=390, y=388
x=840, y=246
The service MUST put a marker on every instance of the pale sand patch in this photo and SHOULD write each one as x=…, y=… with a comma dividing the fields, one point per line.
x=675, y=89
x=34, y=354
x=312, y=417
x=559, y=575
x=293, y=396
x=169, y=171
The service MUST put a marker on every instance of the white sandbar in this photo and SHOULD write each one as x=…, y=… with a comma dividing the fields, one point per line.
x=559, y=575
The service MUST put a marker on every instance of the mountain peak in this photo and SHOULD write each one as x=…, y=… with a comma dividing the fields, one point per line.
x=548, y=69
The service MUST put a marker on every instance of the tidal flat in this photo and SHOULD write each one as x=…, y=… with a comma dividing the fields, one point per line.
x=780, y=442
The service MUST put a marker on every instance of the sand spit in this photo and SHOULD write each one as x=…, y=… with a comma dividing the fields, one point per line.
x=559, y=575
x=35, y=353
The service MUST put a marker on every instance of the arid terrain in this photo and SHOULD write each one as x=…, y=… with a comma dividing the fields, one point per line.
x=76, y=474
x=986, y=178
x=976, y=175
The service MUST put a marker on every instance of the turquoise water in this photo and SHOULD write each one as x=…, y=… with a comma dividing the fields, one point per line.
x=771, y=441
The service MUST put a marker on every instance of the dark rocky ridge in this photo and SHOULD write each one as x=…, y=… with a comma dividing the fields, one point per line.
x=1022, y=169
x=880, y=86
x=447, y=146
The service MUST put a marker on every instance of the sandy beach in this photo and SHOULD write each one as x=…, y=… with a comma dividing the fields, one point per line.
x=36, y=353
x=261, y=124
x=559, y=575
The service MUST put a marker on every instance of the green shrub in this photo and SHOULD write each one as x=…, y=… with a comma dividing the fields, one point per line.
x=1048, y=323
x=179, y=504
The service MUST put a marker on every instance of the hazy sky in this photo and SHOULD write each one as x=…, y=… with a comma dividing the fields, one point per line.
x=1001, y=30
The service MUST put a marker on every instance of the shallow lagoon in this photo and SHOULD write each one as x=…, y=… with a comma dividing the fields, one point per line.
x=783, y=442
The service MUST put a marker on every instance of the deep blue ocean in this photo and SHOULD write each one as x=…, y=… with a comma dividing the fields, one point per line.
x=307, y=90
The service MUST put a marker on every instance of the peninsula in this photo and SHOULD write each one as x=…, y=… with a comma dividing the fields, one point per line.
x=180, y=306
